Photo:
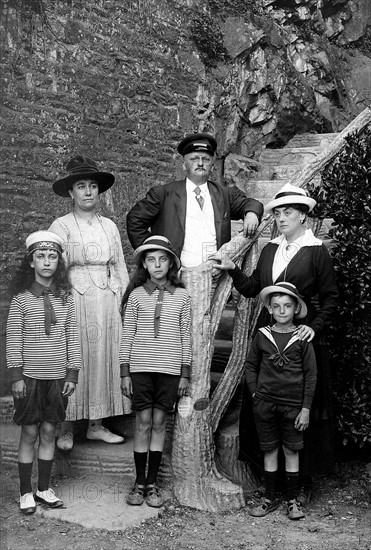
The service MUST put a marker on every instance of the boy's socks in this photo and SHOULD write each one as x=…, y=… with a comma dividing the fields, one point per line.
x=25, y=470
x=45, y=470
x=292, y=485
x=271, y=479
x=140, y=460
x=153, y=466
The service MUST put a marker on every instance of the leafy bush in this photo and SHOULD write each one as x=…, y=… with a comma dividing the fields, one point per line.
x=345, y=196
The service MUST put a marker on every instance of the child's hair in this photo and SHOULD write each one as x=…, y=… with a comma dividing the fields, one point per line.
x=25, y=276
x=140, y=276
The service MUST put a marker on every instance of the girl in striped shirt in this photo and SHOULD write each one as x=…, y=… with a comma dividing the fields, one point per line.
x=43, y=359
x=155, y=356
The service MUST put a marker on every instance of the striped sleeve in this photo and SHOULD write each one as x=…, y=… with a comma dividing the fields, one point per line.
x=14, y=340
x=72, y=338
x=185, y=332
x=129, y=329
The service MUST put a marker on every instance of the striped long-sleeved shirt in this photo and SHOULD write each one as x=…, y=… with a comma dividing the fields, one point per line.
x=170, y=351
x=29, y=351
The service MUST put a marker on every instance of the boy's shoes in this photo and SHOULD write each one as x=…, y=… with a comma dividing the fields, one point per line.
x=48, y=497
x=136, y=496
x=100, y=433
x=265, y=508
x=27, y=503
x=153, y=497
x=294, y=510
x=65, y=441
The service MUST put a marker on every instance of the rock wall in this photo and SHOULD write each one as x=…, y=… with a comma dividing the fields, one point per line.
x=122, y=82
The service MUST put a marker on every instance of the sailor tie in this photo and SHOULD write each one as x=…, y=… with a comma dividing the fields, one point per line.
x=50, y=317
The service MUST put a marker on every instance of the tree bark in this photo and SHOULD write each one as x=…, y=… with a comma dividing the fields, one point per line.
x=197, y=482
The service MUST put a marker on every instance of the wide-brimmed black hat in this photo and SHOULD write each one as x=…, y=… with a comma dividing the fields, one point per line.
x=204, y=143
x=79, y=168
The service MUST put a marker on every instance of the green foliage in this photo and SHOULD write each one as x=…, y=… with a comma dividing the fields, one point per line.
x=345, y=196
x=207, y=36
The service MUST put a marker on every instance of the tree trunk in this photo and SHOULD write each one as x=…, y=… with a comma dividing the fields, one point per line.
x=197, y=482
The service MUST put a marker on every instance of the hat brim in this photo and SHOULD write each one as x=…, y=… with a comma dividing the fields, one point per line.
x=268, y=290
x=105, y=180
x=294, y=199
x=151, y=246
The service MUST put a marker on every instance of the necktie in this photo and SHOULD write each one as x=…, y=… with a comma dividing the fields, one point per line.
x=199, y=198
x=50, y=318
x=160, y=299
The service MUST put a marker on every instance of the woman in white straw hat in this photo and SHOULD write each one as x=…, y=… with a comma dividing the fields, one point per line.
x=298, y=257
x=99, y=278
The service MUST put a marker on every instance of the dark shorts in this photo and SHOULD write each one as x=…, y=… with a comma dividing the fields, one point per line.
x=275, y=425
x=43, y=402
x=154, y=390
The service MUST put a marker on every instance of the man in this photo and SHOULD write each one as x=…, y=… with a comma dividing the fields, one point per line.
x=195, y=213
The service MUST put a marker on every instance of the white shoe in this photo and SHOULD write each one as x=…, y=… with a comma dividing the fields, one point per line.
x=65, y=441
x=27, y=503
x=49, y=498
x=101, y=433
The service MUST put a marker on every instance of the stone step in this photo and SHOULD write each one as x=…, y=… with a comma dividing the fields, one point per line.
x=288, y=155
x=312, y=140
x=86, y=457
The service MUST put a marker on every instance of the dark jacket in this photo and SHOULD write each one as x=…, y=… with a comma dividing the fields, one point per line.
x=163, y=212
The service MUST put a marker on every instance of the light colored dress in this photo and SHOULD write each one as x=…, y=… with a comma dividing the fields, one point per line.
x=99, y=277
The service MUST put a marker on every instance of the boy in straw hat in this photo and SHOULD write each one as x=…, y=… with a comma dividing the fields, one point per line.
x=281, y=376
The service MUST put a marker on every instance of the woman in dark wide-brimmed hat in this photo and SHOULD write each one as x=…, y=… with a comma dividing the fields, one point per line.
x=298, y=257
x=99, y=278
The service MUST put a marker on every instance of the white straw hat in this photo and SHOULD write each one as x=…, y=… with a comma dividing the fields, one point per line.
x=157, y=242
x=285, y=288
x=290, y=194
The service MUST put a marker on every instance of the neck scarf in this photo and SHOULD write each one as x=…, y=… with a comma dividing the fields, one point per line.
x=150, y=287
x=50, y=318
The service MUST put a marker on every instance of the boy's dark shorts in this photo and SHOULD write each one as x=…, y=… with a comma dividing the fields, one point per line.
x=43, y=402
x=154, y=390
x=275, y=425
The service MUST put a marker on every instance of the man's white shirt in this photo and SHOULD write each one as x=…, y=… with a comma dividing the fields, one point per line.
x=200, y=235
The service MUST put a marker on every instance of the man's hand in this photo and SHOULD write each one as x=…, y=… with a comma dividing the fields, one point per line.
x=250, y=224
x=302, y=420
x=19, y=389
x=127, y=386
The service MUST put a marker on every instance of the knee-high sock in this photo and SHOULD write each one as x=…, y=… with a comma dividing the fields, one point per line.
x=25, y=470
x=45, y=470
x=292, y=485
x=153, y=466
x=140, y=460
x=271, y=479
